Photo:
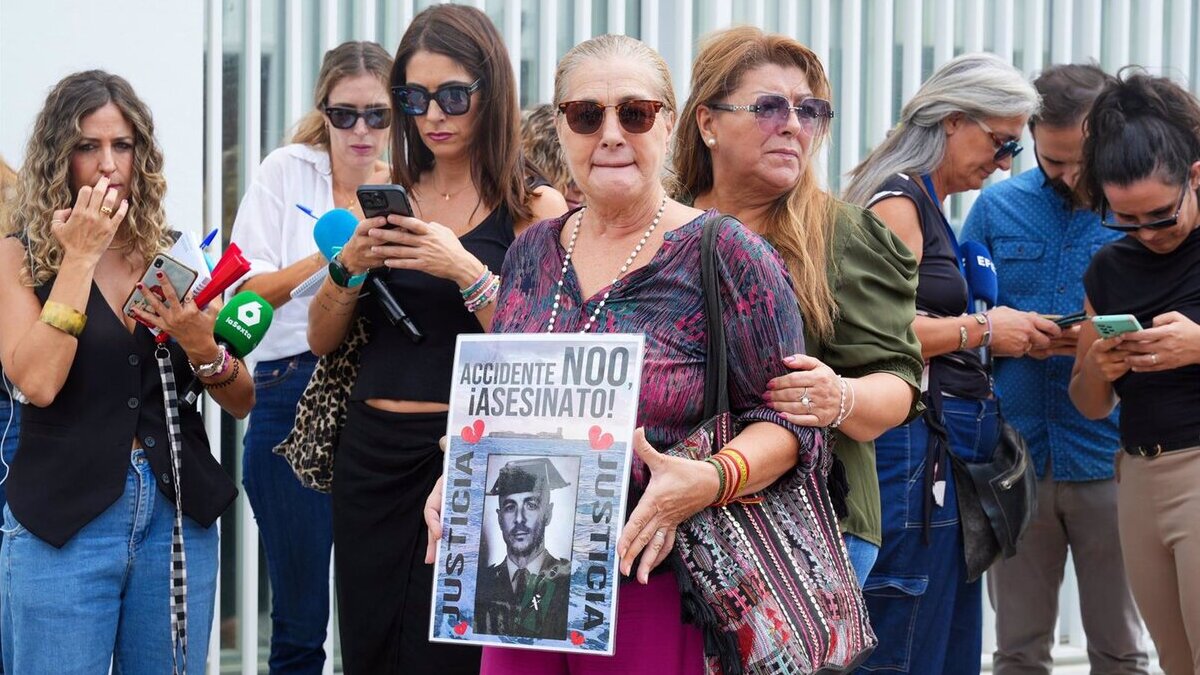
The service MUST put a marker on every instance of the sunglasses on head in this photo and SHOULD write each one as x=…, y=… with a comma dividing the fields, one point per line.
x=1160, y=224
x=346, y=118
x=586, y=117
x=453, y=99
x=772, y=112
x=1004, y=149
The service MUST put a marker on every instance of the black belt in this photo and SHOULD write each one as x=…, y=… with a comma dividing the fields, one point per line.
x=1156, y=449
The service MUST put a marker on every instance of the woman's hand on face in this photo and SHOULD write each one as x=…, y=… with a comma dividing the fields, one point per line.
x=1174, y=341
x=358, y=255
x=678, y=489
x=433, y=517
x=813, y=380
x=1108, y=358
x=433, y=248
x=84, y=231
x=1015, y=333
x=191, y=326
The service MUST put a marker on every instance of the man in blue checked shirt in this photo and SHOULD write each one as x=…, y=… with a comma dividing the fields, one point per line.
x=1041, y=239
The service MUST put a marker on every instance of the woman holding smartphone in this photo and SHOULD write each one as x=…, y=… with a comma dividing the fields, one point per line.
x=1141, y=169
x=456, y=150
x=87, y=553
x=336, y=147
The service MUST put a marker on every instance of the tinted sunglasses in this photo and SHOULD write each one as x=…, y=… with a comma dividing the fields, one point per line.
x=1004, y=149
x=772, y=112
x=453, y=99
x=1160, y=224
x=586, y=117
x=346, y=118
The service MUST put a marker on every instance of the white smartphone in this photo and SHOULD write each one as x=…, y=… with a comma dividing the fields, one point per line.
x=180, y=276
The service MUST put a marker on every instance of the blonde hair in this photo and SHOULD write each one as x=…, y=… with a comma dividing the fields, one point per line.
x=44, y=182
x=348, y=59
x=615, y=47
x=976, y=85
x=8, y=190
x=539, y=140
x=800, y=222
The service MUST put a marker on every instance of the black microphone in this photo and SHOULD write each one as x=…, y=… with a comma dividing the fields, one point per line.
x=392, y=310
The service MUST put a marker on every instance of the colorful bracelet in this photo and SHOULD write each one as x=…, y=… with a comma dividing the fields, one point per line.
x=720, y=479
x=63, y=317
x=229, y=380
x=476, y=285
x=743, y=467
x=485, y=296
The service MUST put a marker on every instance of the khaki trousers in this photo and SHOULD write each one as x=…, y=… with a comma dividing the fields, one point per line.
x=1159, y=505
x=1024, y=589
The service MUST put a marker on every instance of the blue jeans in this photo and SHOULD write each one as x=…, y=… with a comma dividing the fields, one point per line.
x=927, y=617
x=862, y=555
x=10, y=431
x=294, y=522
x=104, y=596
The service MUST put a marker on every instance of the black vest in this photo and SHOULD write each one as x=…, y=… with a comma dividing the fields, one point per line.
x=73, y=456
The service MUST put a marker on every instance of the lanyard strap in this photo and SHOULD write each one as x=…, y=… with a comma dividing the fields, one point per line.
x=937, y=203
x=178, y=561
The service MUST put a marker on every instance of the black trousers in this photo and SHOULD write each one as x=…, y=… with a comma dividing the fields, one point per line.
x=385, y=466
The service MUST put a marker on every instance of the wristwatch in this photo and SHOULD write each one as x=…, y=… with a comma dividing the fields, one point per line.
x=341, y=276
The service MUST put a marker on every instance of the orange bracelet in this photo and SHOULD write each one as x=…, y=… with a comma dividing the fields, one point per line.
x=743, y=466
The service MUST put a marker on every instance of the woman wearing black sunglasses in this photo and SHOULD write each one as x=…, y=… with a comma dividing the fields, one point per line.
x=961, y=126
x=758, y=114
x=1141, y=166
x=456, y=149
x=335, y=148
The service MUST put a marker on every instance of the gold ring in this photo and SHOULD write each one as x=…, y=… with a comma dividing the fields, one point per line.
x=106, y=210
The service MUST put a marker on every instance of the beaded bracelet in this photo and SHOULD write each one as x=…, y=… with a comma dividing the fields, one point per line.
x=229, y=380
x=478, y=284
x=485, y=296
x=844, y=412
x=63, y=317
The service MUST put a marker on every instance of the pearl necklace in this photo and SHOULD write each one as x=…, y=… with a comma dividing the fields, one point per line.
x=624, y=268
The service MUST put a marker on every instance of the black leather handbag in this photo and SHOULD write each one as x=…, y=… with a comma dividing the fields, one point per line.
x=996, y=501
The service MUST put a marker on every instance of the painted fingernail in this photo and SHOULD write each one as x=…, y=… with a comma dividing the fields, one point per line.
x=141, y=285
x=158, y=274
x=770, y=384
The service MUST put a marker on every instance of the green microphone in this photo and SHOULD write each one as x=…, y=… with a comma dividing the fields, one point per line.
x=241, y=325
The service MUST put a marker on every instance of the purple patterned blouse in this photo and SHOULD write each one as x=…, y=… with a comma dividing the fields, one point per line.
x=665, y=301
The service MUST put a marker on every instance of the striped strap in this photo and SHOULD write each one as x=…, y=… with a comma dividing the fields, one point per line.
x=178, y=561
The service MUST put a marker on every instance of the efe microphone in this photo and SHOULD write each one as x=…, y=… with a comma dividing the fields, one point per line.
x=331, y=232
x=983, y=285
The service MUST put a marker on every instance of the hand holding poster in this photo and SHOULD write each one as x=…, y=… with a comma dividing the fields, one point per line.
x=537, y=470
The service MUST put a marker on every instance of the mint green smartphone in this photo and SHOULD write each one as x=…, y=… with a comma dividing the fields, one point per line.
x=1109, y=325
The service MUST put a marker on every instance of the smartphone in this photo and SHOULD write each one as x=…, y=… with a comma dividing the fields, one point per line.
x=1070, y=319
x=382, y=200
x=180, y=276
x=1110, y=325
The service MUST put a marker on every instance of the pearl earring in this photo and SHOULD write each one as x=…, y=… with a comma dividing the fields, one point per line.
x=712, y=142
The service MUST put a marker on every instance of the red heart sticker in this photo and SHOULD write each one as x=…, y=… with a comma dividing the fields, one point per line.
x=598, y=439
x=461, y=628
x=473, y=433
x=576, y=638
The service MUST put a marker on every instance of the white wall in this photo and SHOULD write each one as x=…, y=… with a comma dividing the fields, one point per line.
x=157, y=46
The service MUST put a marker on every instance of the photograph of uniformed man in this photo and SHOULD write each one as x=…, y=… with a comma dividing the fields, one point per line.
x=526, y=591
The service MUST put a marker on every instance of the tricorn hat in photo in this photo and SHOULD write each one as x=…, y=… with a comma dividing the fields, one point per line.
x=527, y=475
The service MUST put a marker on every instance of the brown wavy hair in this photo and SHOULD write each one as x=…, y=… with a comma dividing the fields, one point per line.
x=44, y=185
x=800, y=222
x=498, y=168
x=349, y=59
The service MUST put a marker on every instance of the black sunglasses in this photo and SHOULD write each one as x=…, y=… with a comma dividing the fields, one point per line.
x=453, y=99
x=1160, y=224
x=772, y=111
x=346, y=118
x=586, y=117
x=1004, y=149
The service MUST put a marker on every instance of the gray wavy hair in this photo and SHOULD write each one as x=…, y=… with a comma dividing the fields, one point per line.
x=977, y=85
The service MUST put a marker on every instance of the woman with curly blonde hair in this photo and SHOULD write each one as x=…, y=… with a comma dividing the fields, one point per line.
x=89, y=536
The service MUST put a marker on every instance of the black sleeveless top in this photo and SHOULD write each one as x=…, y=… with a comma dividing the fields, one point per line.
x=1125, y=277
x=941, y=289
x=391, y=365
x=73, y=455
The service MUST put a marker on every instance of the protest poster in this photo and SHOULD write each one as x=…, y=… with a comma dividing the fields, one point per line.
x=537, y=470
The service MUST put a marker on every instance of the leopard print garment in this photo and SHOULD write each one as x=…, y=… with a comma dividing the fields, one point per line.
x=321, y=412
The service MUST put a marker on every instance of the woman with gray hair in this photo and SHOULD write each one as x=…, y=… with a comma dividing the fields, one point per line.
x=963, y=124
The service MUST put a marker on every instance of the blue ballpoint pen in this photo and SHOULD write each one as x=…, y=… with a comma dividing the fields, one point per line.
x=307, y=210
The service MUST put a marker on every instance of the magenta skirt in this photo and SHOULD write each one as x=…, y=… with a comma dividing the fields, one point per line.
x=651, y=640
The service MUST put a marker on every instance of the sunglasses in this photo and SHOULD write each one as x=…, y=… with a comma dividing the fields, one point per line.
x=1161, y=224
x=453, y=99
x=346, y=118
x=1004, y=149
x=772, y=112
x=586, y=117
